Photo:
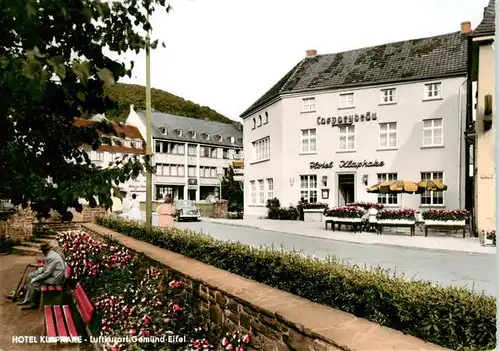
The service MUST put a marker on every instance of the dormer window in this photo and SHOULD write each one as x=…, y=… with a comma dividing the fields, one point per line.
x=127, y=143
x=254, y=123
x=260, y=120
x=178, y=132
x=266, y=118
x=205, y=136
x=232, y=140
x=220, y=138
x=138, y=144
x=163, y=131
x=193, y=135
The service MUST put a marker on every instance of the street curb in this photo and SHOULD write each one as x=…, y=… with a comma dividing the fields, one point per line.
x=208, y=220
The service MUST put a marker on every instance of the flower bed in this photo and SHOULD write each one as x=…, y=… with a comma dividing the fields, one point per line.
x=134, y=296
x=345, y=212
x=445, y=217
x=314, y=206
x=417, y=308
x=367, y=205
x=403, y=215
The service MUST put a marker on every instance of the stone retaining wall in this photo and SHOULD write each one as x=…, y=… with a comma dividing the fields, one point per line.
x=276, y=319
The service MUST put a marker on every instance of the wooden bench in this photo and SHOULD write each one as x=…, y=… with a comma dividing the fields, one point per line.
x=380, y=227
x=59, y=319
x=52, y=294
x=445, y=228
x=356, y=226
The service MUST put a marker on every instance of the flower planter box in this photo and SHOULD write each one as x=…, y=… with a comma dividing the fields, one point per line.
x=444, y=223
x=396, y=221
x=312, y=215
x=349, y=220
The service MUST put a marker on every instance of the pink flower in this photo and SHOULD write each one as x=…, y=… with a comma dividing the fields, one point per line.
x=247, y=338
x=225, y=342
x=230, y=347
x=132, y=332
x=175, y=284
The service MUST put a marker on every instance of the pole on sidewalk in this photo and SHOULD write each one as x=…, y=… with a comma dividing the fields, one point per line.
x=149, y=151
x=496, y=126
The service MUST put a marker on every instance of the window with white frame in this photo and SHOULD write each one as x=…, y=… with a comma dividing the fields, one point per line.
x=308, y=104
x=261, y=149
x=388, y=96
x=192, y=150
x=433, y=132
x=253, y=192
x=309, y=140
x=191, y=171
x=347, y=100
x=433, y=91
x=262, y=196
x=126, y=142
x=112, y=156
x=432, y=198
x=387, y=199
x=266, y=120
x=347, y=138
x=309, y=188
x=270, y=188
x=138, y=144
x=260, y=120
x=254, y=123
x=388, y=135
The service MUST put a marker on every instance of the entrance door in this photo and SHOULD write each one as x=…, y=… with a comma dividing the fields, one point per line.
x=346, y=189
x=192, y=194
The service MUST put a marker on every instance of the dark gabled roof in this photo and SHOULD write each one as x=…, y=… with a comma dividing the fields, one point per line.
x=427, y=58
x=187, y=124
x=487, y=25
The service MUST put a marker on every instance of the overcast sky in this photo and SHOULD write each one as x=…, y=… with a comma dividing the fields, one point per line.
x=227, y=53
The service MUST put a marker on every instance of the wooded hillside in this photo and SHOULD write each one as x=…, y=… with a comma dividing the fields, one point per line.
x=123, y=95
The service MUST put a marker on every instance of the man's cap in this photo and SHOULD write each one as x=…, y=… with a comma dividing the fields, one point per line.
x=45, y=246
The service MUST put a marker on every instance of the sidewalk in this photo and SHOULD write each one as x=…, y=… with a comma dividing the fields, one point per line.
x=435, y=241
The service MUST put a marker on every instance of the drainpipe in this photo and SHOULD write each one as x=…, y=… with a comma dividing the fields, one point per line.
x=460, y=141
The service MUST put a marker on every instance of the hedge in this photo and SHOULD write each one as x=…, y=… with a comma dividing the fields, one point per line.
x=452, y=317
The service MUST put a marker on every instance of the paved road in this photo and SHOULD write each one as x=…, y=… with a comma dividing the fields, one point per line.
x=447, y=268
x=473, y=271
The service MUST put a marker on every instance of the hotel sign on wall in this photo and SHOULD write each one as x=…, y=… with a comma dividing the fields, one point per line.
x=347, y=120
x=347, y=164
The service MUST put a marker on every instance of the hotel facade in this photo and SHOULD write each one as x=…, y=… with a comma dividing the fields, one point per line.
x=337, y=123
x=190, y=155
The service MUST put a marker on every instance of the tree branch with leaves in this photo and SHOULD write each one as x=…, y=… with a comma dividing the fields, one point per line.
x=53, y=69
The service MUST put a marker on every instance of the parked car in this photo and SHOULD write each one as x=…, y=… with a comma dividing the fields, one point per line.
x=186, y=210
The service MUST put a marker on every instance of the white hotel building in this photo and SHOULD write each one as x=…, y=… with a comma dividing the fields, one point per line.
x=338, y=123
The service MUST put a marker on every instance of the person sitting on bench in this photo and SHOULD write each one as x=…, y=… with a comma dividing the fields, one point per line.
x=52, y=273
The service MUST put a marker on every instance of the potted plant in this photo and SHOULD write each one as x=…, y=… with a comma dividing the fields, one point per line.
x=345, y=214
x=490, y=238
x=273, y=208
x=313, y=212
x=445, y=217
x=399, y=216
x=367, y=205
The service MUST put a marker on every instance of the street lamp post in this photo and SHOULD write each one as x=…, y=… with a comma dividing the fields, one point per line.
x=149, y=151
x=497, y=155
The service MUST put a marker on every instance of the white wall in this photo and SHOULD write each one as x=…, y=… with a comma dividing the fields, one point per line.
x=408, y=159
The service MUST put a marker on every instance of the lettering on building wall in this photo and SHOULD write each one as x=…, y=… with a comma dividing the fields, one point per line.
x=347, y=120
x=321, y=165
x=364, y=164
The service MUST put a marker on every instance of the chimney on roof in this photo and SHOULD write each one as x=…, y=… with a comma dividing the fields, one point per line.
x=311, y=53
x=465, y=28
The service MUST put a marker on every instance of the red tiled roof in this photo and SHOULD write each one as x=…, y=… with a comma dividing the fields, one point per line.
x=123, y=131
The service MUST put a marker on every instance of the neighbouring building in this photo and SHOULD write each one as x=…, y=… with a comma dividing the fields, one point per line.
x=127, y=142
x=191, y=155
x=481, y=134
x=338, y=123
